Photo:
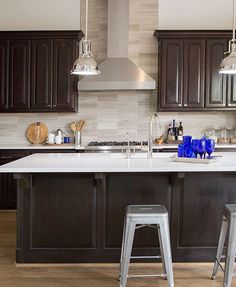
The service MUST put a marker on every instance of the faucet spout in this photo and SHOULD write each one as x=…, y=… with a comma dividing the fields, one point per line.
x=150, y=139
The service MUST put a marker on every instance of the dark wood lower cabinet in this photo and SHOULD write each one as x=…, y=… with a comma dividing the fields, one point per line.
x=7, y=182
x=79, y=217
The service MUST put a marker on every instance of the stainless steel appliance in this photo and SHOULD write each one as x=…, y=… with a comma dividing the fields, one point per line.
x=115, y=146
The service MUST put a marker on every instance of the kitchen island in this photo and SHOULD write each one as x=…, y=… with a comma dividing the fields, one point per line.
x=71, y=206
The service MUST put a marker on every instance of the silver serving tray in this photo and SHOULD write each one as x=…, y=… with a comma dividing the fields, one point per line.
x=195, y=160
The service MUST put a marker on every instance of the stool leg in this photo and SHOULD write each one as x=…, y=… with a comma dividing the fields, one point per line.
x=223, y=232
x=161, y=249
x=165, y=241
x=230, y=254
x=124, y=236
x=127, y=252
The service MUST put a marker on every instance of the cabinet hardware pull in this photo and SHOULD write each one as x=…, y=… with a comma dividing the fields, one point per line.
x=179, y=105
x=185, y=105
x=54, y=106
x=6, y=157
x=48, y=105
x=229, y=104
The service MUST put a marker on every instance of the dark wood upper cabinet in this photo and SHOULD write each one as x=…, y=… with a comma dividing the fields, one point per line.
x=64, y=86
x=194, y=73
x=231, y=99
x=41, y=74
x=216, y=84
x=35, y=71
x=3, y=75
x=19, y=75
x=171, y=67
x=188, y=67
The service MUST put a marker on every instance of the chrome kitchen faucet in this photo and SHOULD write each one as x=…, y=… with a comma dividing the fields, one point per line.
x=150, y=139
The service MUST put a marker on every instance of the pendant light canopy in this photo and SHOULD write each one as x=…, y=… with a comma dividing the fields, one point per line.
x=228, y=64
x=85, y=64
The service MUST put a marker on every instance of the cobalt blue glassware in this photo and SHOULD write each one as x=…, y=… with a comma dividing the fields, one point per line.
x=187, y=140
x=210, y=146
x=188, y=151
x=201, y=147
x=180, y=150
x=195, y=147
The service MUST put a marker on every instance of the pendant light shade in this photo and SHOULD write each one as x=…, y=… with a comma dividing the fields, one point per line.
x=228, y=64
x=85, y=64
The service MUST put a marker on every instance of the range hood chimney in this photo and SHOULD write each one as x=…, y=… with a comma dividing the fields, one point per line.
x=118, y=72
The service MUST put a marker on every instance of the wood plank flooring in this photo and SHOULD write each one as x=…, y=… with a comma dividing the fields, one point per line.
x=89, y=275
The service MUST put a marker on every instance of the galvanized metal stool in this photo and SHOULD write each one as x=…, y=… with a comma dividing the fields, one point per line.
x=138, y=216
x=228, y=224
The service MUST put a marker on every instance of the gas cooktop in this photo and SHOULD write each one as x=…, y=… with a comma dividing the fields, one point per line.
x=114, y=145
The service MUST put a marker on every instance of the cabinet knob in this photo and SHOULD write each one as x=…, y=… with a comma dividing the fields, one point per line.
x=48, y=106
x=179, y=105
x=229, y=105
x=185, y=105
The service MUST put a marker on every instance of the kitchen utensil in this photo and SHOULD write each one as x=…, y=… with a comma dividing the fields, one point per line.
x=159, y=140
x=73, y=127
x=37, y=133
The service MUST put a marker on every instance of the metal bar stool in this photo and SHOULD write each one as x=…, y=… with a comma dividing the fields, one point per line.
x=138, y=216
x=228, y=224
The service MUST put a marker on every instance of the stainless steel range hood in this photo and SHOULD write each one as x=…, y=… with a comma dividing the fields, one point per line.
x=118, y=72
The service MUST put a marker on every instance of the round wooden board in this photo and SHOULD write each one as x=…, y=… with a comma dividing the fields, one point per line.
x=37, y=133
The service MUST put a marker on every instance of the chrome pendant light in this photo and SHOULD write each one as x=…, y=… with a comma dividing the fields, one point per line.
x=85, y=64
x=228, y=64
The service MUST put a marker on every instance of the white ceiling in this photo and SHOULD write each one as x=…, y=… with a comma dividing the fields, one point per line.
x=195, y=14
x=39, y=14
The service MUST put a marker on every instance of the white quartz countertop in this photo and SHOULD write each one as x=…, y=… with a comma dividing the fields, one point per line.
x=113, y=162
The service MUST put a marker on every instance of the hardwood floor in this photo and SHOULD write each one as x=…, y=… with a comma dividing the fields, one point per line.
x=89, y=275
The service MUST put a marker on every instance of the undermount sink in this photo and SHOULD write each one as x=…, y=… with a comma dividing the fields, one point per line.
x=133, y=156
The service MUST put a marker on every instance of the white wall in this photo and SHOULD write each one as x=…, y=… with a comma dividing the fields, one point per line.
x=195, y=14
x=39, y=14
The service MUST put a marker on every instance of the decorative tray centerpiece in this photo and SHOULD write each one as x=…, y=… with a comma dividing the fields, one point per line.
x=195, y=160
x=196, y=150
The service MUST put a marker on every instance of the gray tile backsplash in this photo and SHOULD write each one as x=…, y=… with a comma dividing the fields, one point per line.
x=110, y=116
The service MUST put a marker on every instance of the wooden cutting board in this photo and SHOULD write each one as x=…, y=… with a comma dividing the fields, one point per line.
x=37, y=133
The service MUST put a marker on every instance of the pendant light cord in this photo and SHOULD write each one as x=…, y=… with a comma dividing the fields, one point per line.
x=234, y=7
x=86, y=19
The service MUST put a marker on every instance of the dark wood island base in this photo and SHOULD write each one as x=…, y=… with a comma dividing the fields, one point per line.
x=78, y=217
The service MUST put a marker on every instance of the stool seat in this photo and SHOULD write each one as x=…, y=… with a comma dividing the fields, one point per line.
x=138, y=216
x=146, y=210
x=230, y=210
x=228, y=225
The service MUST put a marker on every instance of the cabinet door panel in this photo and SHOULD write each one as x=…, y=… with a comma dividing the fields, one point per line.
x=231, y=91
x=41, y=81
x=125, y=189
x=198, y=207
x=64, y=91
x=216, y=83
x=171, y=74
x=19, y=84
x=67, y=219
x=194, y=73
x=3, y=75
